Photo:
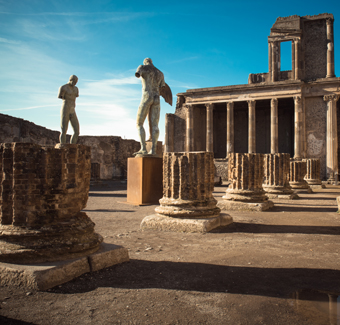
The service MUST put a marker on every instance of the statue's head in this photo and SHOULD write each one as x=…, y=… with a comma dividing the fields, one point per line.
x=73, y=80
x=147, y=61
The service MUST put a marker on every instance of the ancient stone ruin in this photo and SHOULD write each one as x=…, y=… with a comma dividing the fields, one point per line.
x=187, y=203
x=276, y=176
x=292, y=111
x=245, y=171
x=42, y=192
x=298, y=171
x=312, y=176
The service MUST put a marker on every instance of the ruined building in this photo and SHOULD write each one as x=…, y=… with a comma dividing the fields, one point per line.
x=291, y=111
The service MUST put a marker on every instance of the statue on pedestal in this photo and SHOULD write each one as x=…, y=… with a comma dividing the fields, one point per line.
x=68, y=93
x=153, y=85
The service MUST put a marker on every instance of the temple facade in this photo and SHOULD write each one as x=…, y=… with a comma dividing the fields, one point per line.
x=291, y=111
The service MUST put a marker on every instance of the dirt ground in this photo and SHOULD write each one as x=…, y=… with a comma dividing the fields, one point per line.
x=252, y=272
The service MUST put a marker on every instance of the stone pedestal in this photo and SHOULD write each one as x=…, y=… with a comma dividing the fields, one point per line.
x=144, y=180
x=42, y=191
x=245, y=172
x=187, y=204
x=276, y=176
x=298, y=171
x=313, y=173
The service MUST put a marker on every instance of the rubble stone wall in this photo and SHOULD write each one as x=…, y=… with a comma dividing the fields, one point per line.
x=316, y=111
x=111, y=152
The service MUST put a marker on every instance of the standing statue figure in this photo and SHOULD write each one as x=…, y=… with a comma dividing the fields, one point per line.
x=153, y=85
x=68, y=93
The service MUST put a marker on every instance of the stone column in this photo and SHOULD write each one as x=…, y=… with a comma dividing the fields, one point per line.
x=330, y=49
x=270, y=61
x=293, y=60
x=274, y=126
x=43, y=191
x=210, y=128
x=298, y=171
x=188, y=204
x=299, y=123
x=275, y=61
x=252, y=126
x=313, y=173
x=296, y=58
x=169, y=133
x=190, y=129
x=230, y=127
x=276, y=176
x=245, y=192
x=332, y=139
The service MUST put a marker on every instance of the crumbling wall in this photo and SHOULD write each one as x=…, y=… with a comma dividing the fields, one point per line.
x=315, y=42
x=111, y=152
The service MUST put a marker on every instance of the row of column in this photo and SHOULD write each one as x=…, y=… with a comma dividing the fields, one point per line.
x=299, y=127
x=299, y=124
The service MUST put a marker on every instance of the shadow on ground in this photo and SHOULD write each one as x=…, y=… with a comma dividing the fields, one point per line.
x=278, y=229
x=142, y=274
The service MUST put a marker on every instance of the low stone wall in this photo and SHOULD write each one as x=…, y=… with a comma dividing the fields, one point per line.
x=111, y=152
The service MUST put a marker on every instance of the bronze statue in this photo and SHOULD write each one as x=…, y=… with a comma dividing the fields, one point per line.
x=153, y=85
x=68, y=93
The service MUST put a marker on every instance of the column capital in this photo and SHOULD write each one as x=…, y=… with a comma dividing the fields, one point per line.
x=332, y=97
x=230, y=105
x=209, y=106
x=251, y=102
x=297, y=99
x=329, y=21
x=274, y=101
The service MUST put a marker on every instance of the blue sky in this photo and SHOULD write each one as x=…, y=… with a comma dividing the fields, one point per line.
x=195, y=43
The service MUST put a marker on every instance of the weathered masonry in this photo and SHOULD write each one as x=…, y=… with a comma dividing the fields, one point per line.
x=291, y=111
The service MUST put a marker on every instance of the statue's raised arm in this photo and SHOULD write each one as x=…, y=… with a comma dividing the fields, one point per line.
x=153, y=86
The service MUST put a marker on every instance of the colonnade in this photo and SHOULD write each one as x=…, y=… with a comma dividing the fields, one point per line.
x=274, y=143
x=299, y=129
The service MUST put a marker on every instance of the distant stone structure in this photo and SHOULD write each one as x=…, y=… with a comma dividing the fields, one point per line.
x=245, y=192
x=187, y=204
x=298, y=171
x=291, y=111
x=276, y=176
x=312, y=176
x=108, y=153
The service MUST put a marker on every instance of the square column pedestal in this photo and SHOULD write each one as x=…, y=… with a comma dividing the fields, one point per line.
x=144, y=180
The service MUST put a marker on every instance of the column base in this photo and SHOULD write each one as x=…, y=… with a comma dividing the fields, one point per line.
x=301, y=187
x=43, y=276
x=244, y=206
x=165, y=223
x=245, y=195
x=292, y=196
x=69, y=239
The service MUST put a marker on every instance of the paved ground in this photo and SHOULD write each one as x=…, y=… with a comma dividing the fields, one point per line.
x=277, y=267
